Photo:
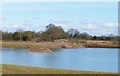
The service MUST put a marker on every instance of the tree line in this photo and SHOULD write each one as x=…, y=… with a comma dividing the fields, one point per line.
x=52, y=33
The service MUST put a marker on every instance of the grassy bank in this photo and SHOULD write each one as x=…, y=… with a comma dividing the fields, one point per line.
x=22, y=44
x=101, y=44
x=55, y=45
x=15, y=69
x=90, y=45
x=30, y=44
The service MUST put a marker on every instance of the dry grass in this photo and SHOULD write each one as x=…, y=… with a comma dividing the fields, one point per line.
x=22, y=44
x=100, y=44
x=15, y=69
x=53, y=45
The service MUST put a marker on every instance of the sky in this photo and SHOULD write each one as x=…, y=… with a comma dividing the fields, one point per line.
x=59, y=0
x=95, y=18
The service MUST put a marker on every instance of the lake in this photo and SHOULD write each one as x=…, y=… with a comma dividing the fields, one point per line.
x=89, y=59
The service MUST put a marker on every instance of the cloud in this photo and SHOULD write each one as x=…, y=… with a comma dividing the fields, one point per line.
x=29, y=29
x=111, y=25
x=99, y=28
x=2, y=18
x=18, y=27
x=2, y=28
x=89, y=26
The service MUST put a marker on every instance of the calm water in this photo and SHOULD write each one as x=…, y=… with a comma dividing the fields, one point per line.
x=93, y=59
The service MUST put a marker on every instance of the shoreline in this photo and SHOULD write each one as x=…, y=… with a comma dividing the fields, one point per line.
x=11, y=69
x=101, y=46
x=55, y=45
x=46, y=47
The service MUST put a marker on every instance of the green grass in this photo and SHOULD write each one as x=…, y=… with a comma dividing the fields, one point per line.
x=15, y=69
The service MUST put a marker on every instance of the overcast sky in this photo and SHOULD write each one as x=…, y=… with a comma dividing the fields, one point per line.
x=91, y=17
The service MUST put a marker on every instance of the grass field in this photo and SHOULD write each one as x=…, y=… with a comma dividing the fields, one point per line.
x=15, y=69
x=22, y=44
x=53, y=45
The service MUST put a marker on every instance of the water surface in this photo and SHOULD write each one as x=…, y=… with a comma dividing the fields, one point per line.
x=91, y=59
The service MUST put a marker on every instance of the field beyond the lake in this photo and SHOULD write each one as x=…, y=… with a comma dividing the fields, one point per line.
x=16, y=69
x=71, y=43
x=24, y=44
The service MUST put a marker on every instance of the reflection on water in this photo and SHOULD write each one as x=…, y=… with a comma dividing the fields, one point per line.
x=96, y=59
